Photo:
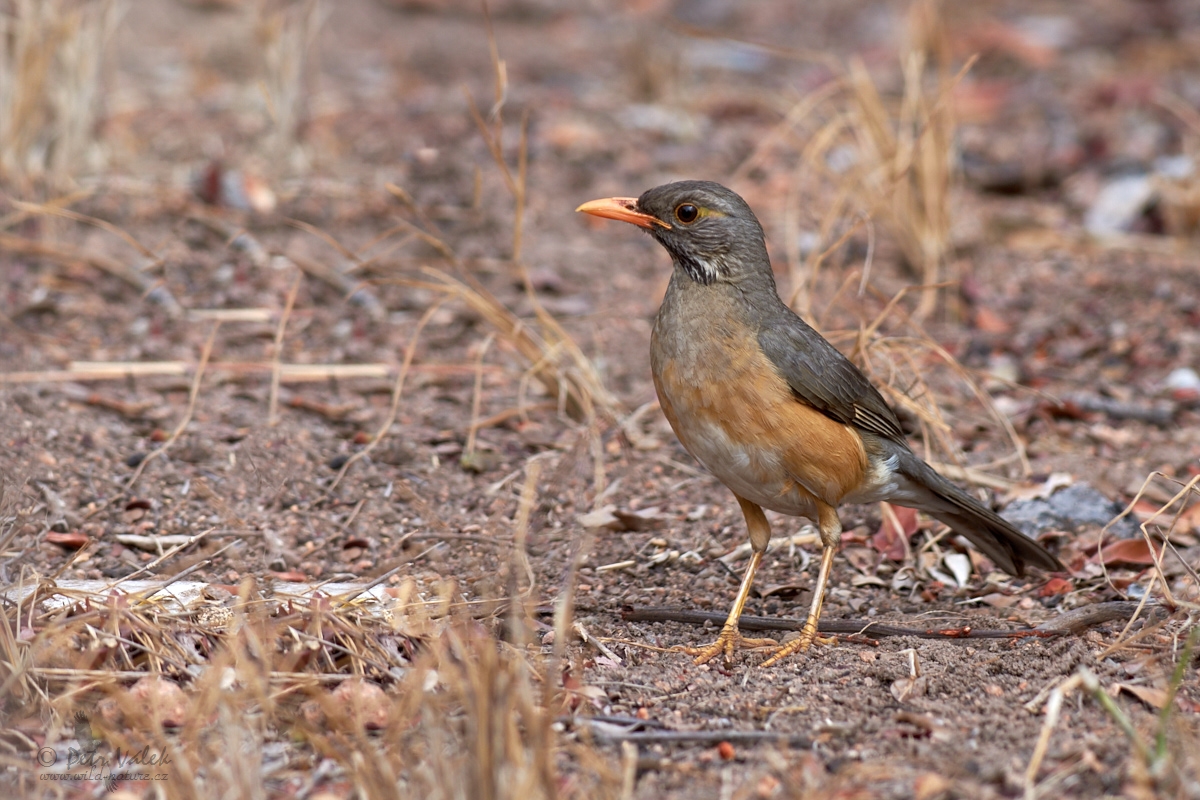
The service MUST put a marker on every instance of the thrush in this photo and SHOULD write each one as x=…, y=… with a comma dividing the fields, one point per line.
x=771, y=408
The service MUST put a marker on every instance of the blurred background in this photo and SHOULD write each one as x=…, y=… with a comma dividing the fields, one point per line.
x=294, y=292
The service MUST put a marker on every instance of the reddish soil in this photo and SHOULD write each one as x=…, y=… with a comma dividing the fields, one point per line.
x=618, y=98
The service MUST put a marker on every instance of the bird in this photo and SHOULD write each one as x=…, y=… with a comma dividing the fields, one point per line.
x=771, y=408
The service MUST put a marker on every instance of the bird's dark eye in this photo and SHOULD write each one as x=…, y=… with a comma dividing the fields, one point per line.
x=687, y=213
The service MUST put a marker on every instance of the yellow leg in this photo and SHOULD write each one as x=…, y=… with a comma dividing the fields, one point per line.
x=809, y=631
x=730, y=637
x=831, y=536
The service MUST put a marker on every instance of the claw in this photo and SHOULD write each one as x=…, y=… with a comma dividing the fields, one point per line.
x=802, y=642
x=728, y=640
x=808, y=634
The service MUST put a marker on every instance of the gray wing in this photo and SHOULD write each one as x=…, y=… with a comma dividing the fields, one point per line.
x=822, y=377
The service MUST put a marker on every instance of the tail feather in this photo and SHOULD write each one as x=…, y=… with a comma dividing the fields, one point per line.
x=997, y=538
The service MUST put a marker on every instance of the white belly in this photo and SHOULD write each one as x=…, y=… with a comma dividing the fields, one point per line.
x=757, y=474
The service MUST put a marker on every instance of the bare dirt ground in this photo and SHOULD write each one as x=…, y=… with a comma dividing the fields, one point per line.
x=511, y=477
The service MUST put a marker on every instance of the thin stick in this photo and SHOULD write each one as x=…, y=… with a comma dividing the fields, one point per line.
x=193, y=395
x=1053, y=709
x=191, y=541
x=18, y=217
x=469, y=449
x=397, y=391
x=699, y=737
x=58, y=211
x=325, y=237
x=277, y=360
x=1070, y=623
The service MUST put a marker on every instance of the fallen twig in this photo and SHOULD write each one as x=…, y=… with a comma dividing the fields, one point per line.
x=1077, y=620
x=1071, y=622
x=609, y=733
x=1160, y=415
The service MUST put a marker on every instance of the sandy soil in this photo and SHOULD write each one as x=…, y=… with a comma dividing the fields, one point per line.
x=620, y=97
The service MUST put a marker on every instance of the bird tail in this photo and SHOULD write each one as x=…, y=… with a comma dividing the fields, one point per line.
x=1009, y=549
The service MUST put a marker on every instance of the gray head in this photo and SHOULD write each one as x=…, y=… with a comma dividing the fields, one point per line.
x=710, y=232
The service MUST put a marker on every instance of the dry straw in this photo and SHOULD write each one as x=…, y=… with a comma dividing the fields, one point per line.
x=51, y=73
x=889, y=159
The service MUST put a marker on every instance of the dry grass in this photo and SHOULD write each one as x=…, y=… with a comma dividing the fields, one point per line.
x=875, y=157
x=421, y=699
x=425, y=694
x=1163, y=761
x=430, y=697
x=51, y=64
x=285, y=35
x=919, y=376
x=1166, y=766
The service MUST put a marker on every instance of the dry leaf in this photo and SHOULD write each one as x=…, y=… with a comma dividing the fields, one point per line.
x=998, y=600
x=600, y=518
x=905, y=689
x=72, y=540
x=1056, y=586
x=1052, y=484
x=960, y=565
x=1127, y=551
x=646, y=519
x=899, y=523
x=1155, y=698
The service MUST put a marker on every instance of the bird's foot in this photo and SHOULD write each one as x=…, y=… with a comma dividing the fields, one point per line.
x=727, y=641
x=808, y=635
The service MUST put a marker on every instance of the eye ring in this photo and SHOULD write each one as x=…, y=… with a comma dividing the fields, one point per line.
x=686, y=213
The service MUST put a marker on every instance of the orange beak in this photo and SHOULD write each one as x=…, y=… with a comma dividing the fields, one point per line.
x=623, y=209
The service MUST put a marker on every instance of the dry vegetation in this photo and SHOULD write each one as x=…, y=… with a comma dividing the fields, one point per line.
x=391, y=681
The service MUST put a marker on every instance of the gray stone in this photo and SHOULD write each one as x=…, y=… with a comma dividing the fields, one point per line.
x=1071, y=508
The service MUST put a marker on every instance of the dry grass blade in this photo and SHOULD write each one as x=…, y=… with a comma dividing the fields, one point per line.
x=55, y=210
x=1161, y=770
x=14, y=658
x=17, y=217
x=477, y=398
x=558, y=362
x=899, y=366
x=286, y=34
x=555, y=359
x=51, y=54
x=1157, y=544
x=397, y=393
x=193, y=396
x=887, y=160
x=277, y=360
x=288, y=373
x=67, y=255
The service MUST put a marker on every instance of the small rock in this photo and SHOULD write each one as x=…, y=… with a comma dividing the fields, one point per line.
x=1119, y=205
x=1183, y=379
x=674, y=123
x=233, y=188
x=1071, y=508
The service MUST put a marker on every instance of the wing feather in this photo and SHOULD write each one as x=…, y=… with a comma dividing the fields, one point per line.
x=820, y=376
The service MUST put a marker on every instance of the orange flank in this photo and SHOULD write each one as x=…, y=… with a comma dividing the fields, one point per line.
x=787, y=455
